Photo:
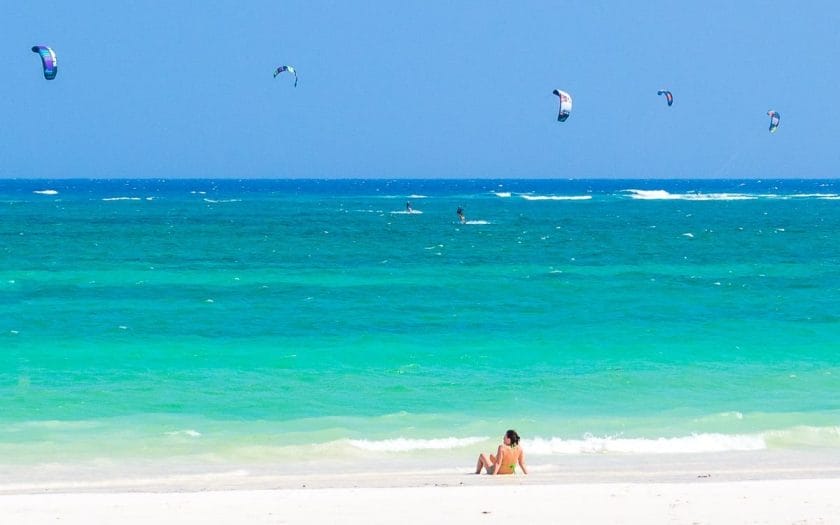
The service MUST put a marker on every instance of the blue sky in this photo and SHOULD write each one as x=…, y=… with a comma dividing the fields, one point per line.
x=420, y=89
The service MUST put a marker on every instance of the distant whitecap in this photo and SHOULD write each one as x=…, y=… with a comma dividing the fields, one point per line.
x=556, y=197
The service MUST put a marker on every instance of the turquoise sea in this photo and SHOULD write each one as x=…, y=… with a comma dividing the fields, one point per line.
x=237, y=321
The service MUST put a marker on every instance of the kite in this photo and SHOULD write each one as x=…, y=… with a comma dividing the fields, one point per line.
x=48, y=60
x=565, y=105
x=774, y=120
x=668, y=96
x=290, y=69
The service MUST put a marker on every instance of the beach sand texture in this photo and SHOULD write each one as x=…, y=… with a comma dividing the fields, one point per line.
x=771, y=502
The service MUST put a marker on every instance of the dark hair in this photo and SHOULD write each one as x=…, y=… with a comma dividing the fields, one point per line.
x=513, y=437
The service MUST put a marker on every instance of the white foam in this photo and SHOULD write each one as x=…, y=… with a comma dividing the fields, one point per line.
x=414, y=196
x=478, y=222
x=664, y=195
x=403, y=212
x=407, y=445
x=121, y=199
x=502, y=194
x=689, y=235
x=46, y=192
x=815, y=196
x=556, y=197
x=218, y=201
x=188, y=432
x=695, y=443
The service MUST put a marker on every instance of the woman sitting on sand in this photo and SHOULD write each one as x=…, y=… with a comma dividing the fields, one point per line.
x=506, y=458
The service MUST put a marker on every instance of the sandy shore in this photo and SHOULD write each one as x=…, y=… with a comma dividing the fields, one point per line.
x=793, y=487
x=772, y=502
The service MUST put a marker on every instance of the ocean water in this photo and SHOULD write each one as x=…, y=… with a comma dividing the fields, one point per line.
x=257, y=321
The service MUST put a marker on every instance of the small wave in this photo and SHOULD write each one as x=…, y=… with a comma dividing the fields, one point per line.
x=403, y=212
x=556, y=197
x=696, y=443
x=815, y=196
x=121, y=199
x=732, y=414
x=502, y=194
x=188, y=432
x=665, y=195
x=46, y=192
x=414, y=196
x=219, y=201
x=478, y=222
x=406, y=445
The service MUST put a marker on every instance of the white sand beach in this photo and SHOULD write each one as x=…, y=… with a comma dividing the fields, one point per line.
x=768, y=488
x=771, y=502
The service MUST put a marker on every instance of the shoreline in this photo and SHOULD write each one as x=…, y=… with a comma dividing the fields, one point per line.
x=163, y=476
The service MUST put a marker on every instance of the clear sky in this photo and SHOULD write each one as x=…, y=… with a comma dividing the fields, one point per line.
x=420, y=89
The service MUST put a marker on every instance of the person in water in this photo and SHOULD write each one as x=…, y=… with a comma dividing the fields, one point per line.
x=460, y=212
x=408, y=208
x=506, y=458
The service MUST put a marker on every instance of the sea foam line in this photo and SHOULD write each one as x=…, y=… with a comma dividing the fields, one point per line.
x=556, y=197
x=589, y=444
x=665, y=195
x=695, y=443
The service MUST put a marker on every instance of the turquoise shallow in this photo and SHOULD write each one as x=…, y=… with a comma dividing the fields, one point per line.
x=242, y=319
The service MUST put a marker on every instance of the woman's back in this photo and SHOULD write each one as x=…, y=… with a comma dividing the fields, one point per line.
x=508, y=457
